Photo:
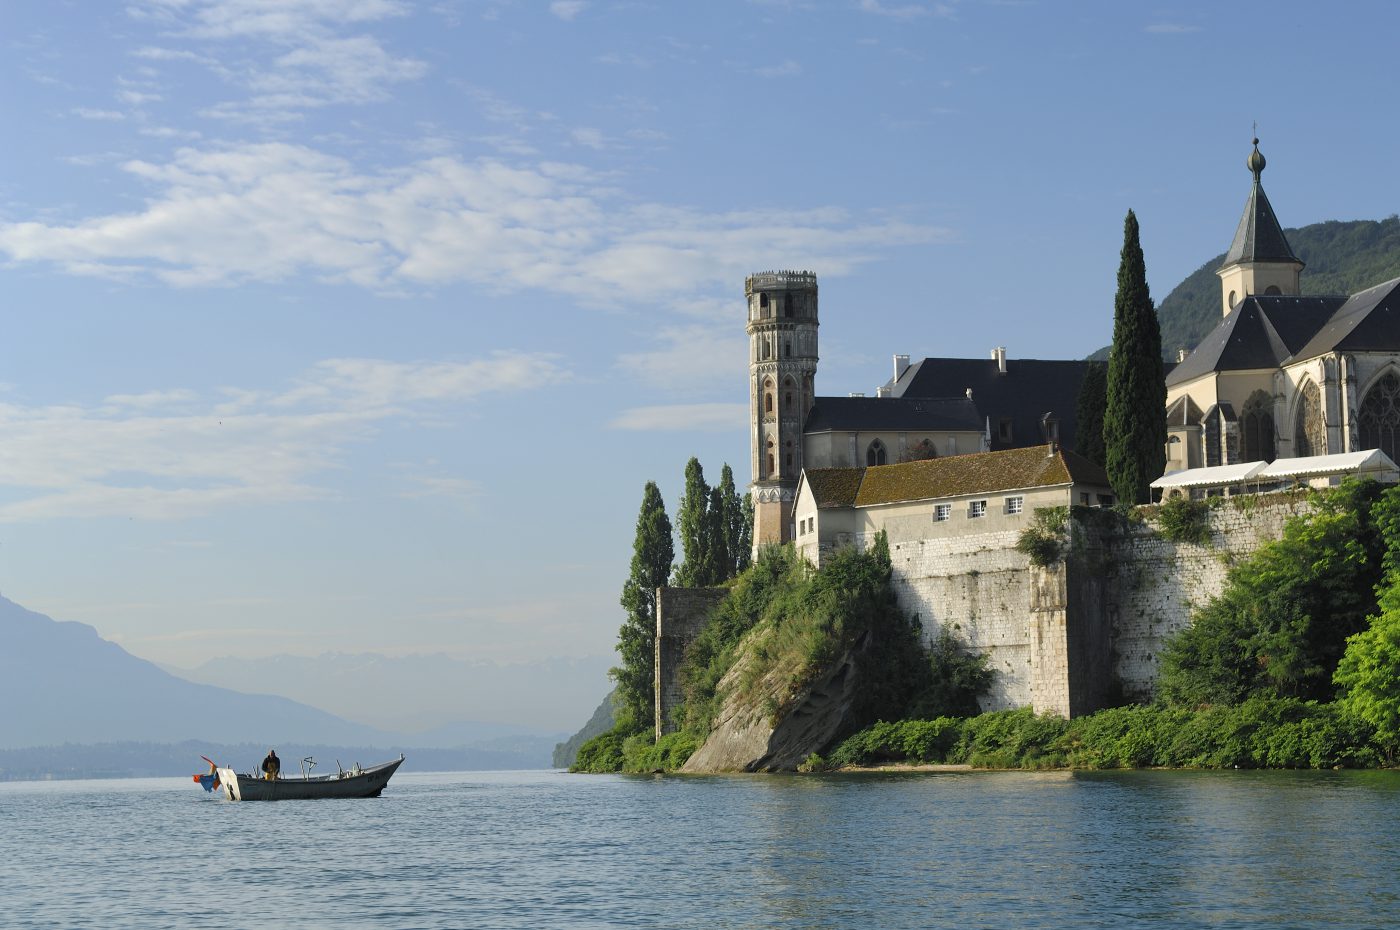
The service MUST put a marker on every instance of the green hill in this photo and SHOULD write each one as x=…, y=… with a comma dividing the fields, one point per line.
x=1341, y=258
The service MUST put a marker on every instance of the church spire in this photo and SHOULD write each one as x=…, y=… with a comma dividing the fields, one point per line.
x=1260, y=260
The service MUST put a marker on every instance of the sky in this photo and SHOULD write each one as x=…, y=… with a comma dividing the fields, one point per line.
x=359, y=325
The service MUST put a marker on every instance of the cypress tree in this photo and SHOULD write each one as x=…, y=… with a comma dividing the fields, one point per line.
x=1135, y=416
x=1088, y=413
x=652, y=555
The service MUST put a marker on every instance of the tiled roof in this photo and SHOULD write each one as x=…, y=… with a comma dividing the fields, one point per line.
x=952, y=476
x=1368, y=321
x=951, y=413
x=1263, y=331
x=834, y=487
x=1259, y=237
x=1028, y=389
x=1184, y=412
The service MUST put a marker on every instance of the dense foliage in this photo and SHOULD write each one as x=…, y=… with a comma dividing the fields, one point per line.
x=1281, y=624
x=1183, y=520
x=1135, y=423
x=1260, y=733
x=1043, y=540
x=1088, y=413
x=716, y=529
x=652, y=555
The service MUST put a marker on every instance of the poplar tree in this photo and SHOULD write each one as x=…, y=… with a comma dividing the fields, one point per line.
x=1135, y=416
x=1088, y=413
x=698, y=531
x=738, y=532
x=652, y=554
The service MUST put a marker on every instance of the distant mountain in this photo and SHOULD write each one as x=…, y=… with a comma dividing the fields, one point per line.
x=1341, y=258
x=434, y=699
x=601, y=722
x=62, y=683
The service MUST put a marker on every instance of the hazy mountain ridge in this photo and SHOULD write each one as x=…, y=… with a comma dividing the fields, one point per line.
x=435, y=698
x=1341, y=257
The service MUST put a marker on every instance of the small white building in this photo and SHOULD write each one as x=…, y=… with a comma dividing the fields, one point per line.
x=953, y=496
x=1316, y=471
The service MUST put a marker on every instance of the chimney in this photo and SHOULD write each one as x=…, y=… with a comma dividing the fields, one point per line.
x=999, y=353
x=883, y=391
x=1050, y=429
x=901, y=365
x=969, y=393
x=1180, y=355
x=856, y=394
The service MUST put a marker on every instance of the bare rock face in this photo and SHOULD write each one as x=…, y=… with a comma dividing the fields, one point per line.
x=774, y=728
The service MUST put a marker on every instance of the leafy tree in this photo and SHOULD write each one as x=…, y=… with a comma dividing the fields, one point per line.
x=1281, y=624
x=1088, y=413
x=1135, y=419
x=702, y=535
x=652, y=554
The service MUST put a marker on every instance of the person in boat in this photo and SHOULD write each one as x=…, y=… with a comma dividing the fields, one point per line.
x=272, y=766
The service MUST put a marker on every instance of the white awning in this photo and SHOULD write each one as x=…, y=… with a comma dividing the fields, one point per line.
x=1348, y=463
x=1216, y=476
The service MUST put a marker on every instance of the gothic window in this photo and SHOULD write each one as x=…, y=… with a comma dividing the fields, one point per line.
x=1257, y=428
x=763, y=303
x=1379, y=418
x=770, y=459
x=1214, y=436
x=1308, y=435
x=767, y=396
x=787, y=307
x=876, y=454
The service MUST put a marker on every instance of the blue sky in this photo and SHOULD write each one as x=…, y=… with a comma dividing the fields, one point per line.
x=360, y=324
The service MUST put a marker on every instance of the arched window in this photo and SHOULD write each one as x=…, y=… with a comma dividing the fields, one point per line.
x=1272, y=291
x=1379, y=418
x=788, y=386
x=1257, y=428
x=1308, y=435
x=875, y=454
x=767, y=396
x=1233, y=301
x=763, y=304
x=770, y=459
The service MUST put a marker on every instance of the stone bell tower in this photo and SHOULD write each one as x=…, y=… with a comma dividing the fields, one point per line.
x=782, y=330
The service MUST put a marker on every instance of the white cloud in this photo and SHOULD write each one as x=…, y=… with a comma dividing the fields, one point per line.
x=174, y=454
x=589, y=138
x=273, y=211
x=690, y=357
x=788, y=68
x=689, y=418
x=99, y=115
x=906, y=11
x=567, y=10
x=1171, y=28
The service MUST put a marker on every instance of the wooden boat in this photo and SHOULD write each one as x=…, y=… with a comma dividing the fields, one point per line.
x=353, y=782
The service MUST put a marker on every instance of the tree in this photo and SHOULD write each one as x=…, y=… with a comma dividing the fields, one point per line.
x=1135, y=418
x=737, y=527
x=652, y=554
x=1088, y=413
x=699, y=532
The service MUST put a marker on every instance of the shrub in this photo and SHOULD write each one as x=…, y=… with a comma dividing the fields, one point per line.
x=955, y=681
x=603, y=753
x=1043, y=539
x=1184, y=520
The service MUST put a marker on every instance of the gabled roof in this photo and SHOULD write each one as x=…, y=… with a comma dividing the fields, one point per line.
x=1263, y=331
x=1184, y=412
x=952, y=413
x=1028, y=389
x=952, y=476
x=833, y=487
x=1368, y=321
x=1214, y=476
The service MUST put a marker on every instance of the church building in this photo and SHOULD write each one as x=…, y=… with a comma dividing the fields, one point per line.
x=1282, y=375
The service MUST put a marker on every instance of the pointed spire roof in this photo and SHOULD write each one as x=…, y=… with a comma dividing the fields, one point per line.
x=1259, y=237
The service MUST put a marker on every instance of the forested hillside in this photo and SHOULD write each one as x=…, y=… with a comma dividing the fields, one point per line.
x=1341, y=258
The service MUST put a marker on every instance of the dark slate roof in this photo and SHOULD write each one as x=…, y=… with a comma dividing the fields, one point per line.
x=1029, y=388
x=952, y=476
x=1259, y=237
x=1183, y=412
x=1263, y=331
x=893, y=413
x=1368, y=321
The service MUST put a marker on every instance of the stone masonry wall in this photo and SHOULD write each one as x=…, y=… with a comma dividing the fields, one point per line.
x=680, y=614
x=1151, y=585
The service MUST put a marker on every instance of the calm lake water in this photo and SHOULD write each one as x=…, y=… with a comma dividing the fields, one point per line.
x=543, y=850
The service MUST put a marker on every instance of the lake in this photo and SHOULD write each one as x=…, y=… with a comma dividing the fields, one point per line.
x=544, y=850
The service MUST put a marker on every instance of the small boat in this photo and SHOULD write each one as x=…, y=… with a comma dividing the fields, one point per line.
x=353, y=782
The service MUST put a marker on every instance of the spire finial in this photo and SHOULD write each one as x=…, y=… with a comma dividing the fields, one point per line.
x=1255, y=163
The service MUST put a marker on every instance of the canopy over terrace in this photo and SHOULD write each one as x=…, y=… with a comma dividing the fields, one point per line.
x=1206, y=479
x=1316, y=470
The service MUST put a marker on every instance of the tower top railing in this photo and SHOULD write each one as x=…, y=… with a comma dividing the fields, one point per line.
x=769, y=280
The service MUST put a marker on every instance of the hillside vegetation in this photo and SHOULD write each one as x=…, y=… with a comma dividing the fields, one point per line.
x=1341, y=258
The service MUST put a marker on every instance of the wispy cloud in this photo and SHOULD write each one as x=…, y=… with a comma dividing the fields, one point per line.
x=907, y=11
x=716, y=418
x=1171, y=28
x=174, y=454
x=788, y=68
x=273, y=211
x=568, y=10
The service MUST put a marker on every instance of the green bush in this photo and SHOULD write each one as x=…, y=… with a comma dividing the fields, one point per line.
x=603, y=753
x=1184, y=520
x=1043, y=539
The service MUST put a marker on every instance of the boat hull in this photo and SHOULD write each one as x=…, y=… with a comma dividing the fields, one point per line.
x=368, y=784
